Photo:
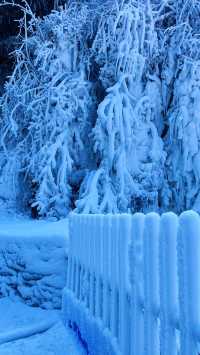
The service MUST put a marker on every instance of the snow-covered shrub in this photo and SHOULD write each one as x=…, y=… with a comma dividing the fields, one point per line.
x=48, y=108
x=183, y=113
x=10, y=195
x=129, y=152
x=184, y=138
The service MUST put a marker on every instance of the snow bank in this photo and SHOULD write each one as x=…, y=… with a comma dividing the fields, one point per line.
x=133, y=283
x=33, y=261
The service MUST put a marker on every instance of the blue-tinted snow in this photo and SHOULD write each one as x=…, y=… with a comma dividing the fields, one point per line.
x=33, y=260
x=17, y=319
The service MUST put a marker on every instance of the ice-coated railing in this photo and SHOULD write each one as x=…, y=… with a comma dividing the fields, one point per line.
x=133, y=283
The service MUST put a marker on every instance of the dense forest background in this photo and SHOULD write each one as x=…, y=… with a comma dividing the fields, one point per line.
x=101, y=110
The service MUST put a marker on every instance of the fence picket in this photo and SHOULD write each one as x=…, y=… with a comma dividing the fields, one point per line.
x=189, y=281
x=151, y=284
x=168, y=284
x=137, y=289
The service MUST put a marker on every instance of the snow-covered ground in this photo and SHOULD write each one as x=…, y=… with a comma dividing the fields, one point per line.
x=32, y=266
x=21, y=225
x=36, y=331
x=33, y=260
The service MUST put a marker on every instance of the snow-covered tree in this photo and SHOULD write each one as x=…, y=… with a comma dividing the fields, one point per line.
x=48, y=109
x=101, y=111
x=184, y=139
x=183, y=113
x=129, y=150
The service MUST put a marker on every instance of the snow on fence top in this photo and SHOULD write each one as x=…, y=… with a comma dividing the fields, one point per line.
x=133, y=283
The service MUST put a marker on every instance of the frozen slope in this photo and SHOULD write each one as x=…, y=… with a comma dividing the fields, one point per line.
x=17, y=320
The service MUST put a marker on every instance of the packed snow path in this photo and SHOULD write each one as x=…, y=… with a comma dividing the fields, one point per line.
x=37, y=331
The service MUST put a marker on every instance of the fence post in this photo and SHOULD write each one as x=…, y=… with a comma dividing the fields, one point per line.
x=91, y=233
x=124, y=239
x=137, y=289
x=189, y=282
x=70, y=260
x=168, y=284
x=115, y=277
x=151, y=284
x=98, y=265
x=105, y=261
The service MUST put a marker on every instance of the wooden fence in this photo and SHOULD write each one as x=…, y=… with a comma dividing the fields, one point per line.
x=133, y=283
